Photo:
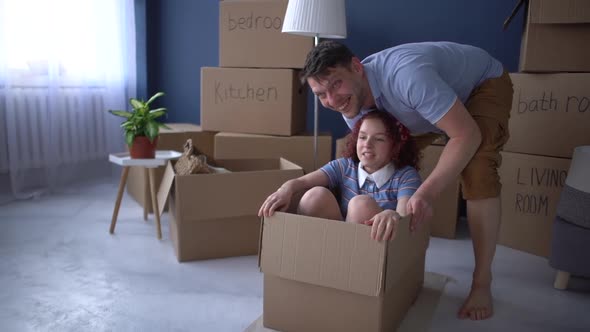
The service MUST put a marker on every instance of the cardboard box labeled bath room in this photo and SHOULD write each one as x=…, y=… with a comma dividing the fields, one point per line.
x=298, y=149
x=531, y=186
x=446, y=207
x=215, y=215
x=255, y=101
x=169, y=139
x=250, y=36
x=550, y=113
x=556, y=36
x=325, y=275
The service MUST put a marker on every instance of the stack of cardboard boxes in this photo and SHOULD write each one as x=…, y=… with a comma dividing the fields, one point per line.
x=256, y=103
x=254, y=98
x=550, y=116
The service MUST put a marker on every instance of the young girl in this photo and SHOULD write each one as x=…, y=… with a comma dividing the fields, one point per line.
x=375, y=179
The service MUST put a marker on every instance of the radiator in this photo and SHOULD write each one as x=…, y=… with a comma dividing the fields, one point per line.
x=43, y=131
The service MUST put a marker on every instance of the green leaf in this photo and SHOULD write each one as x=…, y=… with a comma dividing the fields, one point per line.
x=152, y=129
x=123, y=114
x=129, y=136
x=163, y=109
x=154, y=115
x=154, y=97
x=161, y=125
x=137, y=105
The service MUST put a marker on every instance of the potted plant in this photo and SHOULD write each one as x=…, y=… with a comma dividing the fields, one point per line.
x=141, y=127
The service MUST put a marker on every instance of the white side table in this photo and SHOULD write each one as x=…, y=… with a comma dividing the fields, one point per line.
x=123, y=159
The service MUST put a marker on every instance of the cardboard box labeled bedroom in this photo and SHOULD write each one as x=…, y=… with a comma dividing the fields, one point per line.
x=326, y=275
x=250, y=36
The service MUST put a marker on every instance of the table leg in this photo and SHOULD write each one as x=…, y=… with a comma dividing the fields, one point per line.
x=561, y=280
x=146, y=191
x=119, y=197
x=152, y=172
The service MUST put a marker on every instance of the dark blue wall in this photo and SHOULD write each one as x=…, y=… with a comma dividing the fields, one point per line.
x=182, y=37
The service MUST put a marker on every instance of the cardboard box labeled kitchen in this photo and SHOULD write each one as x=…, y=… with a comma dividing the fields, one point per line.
x=556, y=36
x=325, y=275
x=215, y=215
x=446, y=207
x=254, y=101
x=298, y=149
x=531, y=186
x=169, y=139
x=550, y=114
x=250, y=36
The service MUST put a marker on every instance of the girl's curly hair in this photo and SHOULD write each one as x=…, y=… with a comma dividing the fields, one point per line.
x=405, y=150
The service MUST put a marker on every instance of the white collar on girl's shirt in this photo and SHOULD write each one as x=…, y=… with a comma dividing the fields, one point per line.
x=380, y=177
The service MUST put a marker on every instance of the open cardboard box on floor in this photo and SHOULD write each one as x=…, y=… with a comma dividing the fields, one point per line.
x=325, y=275
x=215, y=215
x=298, y=149
x=169, y=139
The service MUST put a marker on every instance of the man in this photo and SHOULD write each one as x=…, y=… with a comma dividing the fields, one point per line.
x=433, y=88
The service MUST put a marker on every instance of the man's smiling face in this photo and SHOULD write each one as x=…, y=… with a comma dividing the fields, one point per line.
x=341, y=89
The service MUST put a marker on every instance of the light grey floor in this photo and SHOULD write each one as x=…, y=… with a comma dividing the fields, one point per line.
x=62, y=271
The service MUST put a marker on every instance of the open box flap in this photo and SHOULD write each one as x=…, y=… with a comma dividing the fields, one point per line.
x=406, y=249
x=323, y=252
x=165, y=187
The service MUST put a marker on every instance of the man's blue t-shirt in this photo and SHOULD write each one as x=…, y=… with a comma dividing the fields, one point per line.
x=418, y=83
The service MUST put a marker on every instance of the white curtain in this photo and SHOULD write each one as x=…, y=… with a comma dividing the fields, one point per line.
x=63, y=64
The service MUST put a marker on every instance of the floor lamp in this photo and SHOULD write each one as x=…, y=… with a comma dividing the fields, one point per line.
x=318, y=19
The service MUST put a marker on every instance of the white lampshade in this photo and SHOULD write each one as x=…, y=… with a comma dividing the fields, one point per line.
x=578, y=176
x=316, y=18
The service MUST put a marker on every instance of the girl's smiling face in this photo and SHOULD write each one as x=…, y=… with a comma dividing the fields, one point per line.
x=374, y=147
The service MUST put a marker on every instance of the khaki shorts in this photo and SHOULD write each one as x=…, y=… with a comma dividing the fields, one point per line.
x=490, y=105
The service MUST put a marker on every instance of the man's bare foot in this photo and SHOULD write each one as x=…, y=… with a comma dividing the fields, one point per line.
x=478, y=305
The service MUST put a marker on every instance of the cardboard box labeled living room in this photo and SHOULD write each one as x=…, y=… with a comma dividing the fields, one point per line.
x=215, y=215
x=325, y=275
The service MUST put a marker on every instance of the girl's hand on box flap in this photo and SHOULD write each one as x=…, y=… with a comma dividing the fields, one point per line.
x=277, y=201
x=383, y=225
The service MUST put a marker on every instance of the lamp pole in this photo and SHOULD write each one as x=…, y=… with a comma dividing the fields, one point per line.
x=316, y=106
x=316, y=18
